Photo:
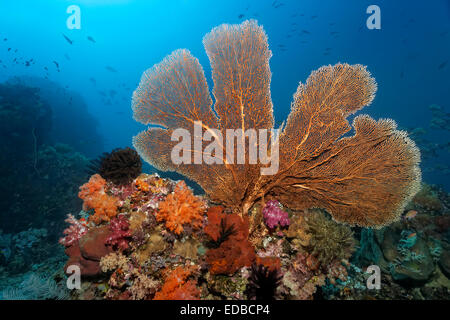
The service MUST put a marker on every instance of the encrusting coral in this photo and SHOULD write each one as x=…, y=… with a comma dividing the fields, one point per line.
x=364, y=180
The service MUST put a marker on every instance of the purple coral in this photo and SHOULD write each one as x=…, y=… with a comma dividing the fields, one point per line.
x=120, y=233
x=274, y=215
x=74, y=232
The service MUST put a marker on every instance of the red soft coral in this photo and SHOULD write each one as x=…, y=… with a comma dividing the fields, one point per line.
x=177, y=287
x=235, y=250
x=120, y=233
x=94, y=197
x=181, y=207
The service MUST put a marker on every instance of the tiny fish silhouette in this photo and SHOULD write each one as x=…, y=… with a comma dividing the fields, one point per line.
x=111, y=69
x=91, y=39
x=442, y=65
x=241, y=16
x=67, y=39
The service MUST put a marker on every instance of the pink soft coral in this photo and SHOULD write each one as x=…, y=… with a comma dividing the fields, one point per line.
x=274, y=215
x=120, y=233
x=74, y=232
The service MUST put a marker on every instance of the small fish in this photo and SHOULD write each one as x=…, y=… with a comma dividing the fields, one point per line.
x=241, y=16
x=306, y=32
x=411, y=214
x=6, y=39
x=334, y=33
x=442, y=65
x=9, y=49
x=68, y=40
x=91, y=39
x=412, y=235
x=56, y=64
x=313, y=17
x=111, y=69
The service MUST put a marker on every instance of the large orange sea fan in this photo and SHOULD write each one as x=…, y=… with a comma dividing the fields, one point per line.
x=365, y=179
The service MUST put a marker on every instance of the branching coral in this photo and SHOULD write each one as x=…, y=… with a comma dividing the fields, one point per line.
x=365, y=179
x=329, y=241
x=177, y=286
x=94, y=197
x=181, y=207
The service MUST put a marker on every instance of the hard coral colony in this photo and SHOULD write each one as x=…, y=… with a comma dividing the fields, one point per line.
x=156, y=239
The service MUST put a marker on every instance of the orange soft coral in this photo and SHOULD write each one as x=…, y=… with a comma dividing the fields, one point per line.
x=177, y=287
x=94, y=197
x=181, y=207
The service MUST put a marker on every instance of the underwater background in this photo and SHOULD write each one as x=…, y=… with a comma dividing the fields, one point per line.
x=65, y=99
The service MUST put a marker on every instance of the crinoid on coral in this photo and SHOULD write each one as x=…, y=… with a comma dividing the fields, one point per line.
x=119, y=166
x=365, y=179
x=263, y=283
x=329, y=241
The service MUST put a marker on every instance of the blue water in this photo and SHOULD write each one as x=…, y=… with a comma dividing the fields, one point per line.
x=409, y=56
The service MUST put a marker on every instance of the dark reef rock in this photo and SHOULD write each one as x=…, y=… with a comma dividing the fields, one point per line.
x=444, y=263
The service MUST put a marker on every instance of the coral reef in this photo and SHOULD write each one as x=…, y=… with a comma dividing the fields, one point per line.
x=311, y=258
x=317, y=166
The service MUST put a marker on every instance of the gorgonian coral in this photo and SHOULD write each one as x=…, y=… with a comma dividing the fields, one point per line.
x=119, y=166
x=181, y=207
x=94, y=197
x=365, y=179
